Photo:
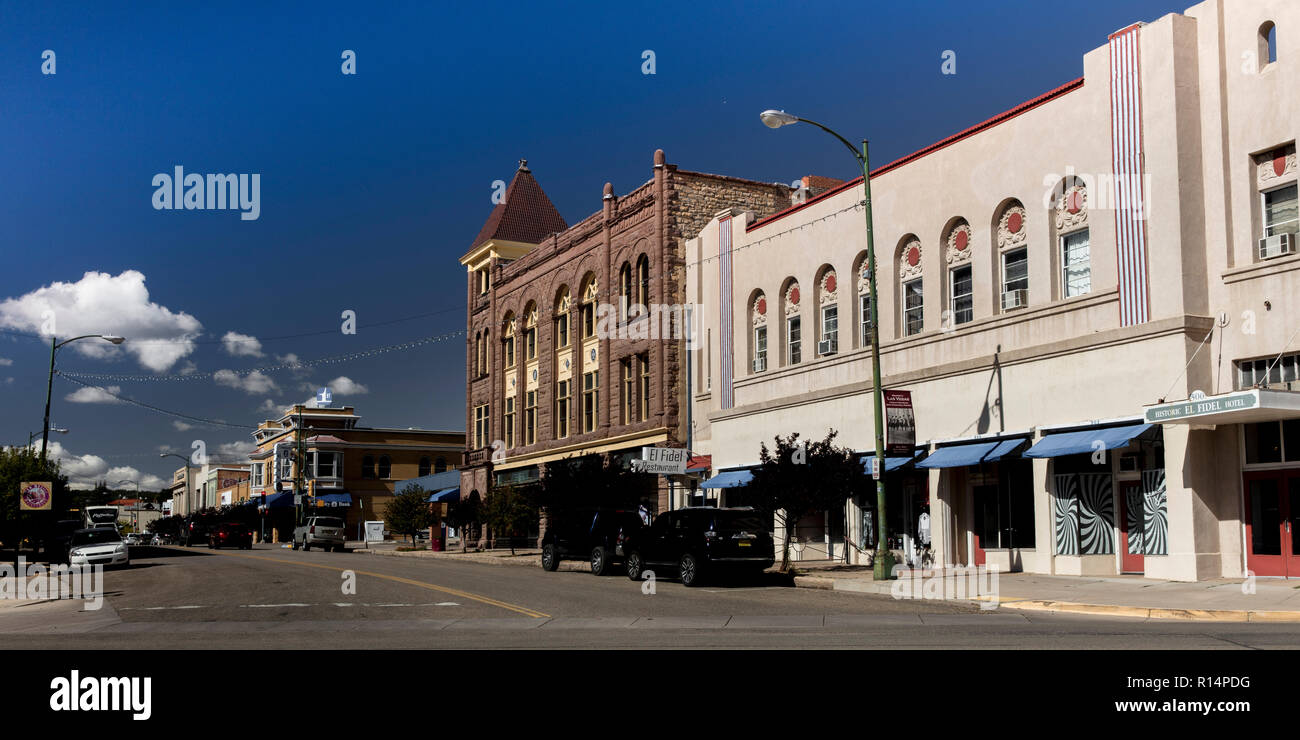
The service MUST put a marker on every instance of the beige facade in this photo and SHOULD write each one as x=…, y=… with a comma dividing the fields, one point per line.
x=1049, y=301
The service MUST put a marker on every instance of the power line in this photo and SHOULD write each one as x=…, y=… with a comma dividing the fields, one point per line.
x=155, y=409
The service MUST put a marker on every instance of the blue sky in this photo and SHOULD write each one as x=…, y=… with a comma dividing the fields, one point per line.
x=373, y=185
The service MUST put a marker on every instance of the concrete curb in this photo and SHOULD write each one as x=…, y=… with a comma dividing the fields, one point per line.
x=1071, y=607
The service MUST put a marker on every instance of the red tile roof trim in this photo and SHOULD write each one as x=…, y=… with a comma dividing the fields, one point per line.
x=941, y=144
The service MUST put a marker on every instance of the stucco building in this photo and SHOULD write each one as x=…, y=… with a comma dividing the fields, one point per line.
x=1053, y=284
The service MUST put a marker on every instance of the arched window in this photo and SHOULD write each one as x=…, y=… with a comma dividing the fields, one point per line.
x=643, y=280
x=508, y=340
x=828, y=311
x=562, y=318
x=624, y=289
x=793, y=322
x=424, y=466
x=385, y=467
x=958, y=244
x=1011, y=253
x=590, y=292
x=863, y=303
x=758, y=333
x=368, y=467
x=440, y=465
x=530, y=332
x=1073, y=258
x=911, y=307
x=1267, y=44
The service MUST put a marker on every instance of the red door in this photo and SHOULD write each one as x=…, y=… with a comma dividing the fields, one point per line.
x=1272, y=517
x=1132, y=517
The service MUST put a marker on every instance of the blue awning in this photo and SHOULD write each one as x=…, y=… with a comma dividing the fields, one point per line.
x=891, y=463
x=729, y=479
x=333, y=499
x=958, y=456
x=1085, y=440
x=445, y=496
x=970, y=453
x=281, y=500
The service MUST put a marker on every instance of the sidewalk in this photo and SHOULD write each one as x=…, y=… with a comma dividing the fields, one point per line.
x=1222, y=600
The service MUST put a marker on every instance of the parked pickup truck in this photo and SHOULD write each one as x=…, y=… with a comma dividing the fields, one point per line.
x=322, y=531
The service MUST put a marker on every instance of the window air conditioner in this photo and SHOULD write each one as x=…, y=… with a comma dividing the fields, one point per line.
x=1015, y=299
x=1278, y=245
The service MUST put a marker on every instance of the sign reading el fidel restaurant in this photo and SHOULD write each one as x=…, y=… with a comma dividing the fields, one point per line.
x=900, y=424
x=661, y=460
x=1199, y=407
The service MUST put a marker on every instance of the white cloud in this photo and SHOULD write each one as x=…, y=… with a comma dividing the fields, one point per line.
x=100, y=303
x=94, y=395
x=292, y=360
x=233, y=452
x=255, y=383
x=271, y=407
x=5, y=362
x=188, y=368
x=342, y=385
x=182, y=426
x=146, y=481
x=241, y=345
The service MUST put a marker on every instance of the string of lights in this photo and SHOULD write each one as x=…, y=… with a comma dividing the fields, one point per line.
x=296, y=365
x=155, y=409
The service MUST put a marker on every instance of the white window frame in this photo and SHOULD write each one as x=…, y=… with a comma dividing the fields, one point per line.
x=1065, y=264
x=920, y=307
x=1006, y=283
x=1263, y=209
x=833, y=333
x=793, y=346
x=864, y=318
x=760, y=343
x=953, y=296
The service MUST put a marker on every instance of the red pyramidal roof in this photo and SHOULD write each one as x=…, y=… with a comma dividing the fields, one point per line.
x=526, y=215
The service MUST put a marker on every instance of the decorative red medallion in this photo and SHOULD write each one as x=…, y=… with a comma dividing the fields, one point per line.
x=830, y=283
x=961, y=240
x=1014, y=222
x=1279, y=163
x=1074, y=201
x=913, y=256
x=794, y=294
x=761, y=307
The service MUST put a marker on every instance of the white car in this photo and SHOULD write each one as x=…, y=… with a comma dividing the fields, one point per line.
x=102, y=546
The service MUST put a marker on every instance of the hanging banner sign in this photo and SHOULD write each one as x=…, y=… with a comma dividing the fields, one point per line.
x=900, y=424
x=36, y=496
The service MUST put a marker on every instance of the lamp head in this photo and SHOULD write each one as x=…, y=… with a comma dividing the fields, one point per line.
x=777, y=118
x=113, y=338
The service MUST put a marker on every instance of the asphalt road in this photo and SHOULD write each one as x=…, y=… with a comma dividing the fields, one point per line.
x=275, y=598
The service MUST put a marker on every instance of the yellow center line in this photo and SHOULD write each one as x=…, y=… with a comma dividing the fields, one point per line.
x=398, y=579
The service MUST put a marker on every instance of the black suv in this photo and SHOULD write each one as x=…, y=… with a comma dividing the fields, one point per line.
x=596, y=535
x=702, y=540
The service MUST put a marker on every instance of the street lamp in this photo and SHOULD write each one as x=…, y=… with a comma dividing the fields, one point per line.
x=49, y=385
x=32, y=435
x=185, y=460
x=883, y=560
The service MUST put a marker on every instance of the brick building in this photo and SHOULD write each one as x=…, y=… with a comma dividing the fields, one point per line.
x=565, y=355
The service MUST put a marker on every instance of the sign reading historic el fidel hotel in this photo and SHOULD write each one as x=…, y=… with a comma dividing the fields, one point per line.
x=1202, y=406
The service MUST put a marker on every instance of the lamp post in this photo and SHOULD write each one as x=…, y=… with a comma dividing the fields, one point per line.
x=32, y=435
x=49, y=384
x=883, y=560
x=187, y=477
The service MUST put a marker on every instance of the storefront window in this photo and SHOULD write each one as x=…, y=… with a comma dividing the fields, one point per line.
x=1264, y=443
x=1004, y=513
x=1083, y=506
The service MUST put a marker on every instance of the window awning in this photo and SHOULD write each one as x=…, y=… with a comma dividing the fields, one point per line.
x=333, y=499
x=971, y=453
x=281, y=500
x=729, y=479
x=445, y=496
x=1085, y=440
x=891, y=463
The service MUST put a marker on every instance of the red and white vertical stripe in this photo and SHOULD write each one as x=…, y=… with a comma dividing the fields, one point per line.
x=1127, y=160
x=725, y=358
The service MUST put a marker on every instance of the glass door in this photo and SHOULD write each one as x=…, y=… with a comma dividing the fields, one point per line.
x=1272, y=516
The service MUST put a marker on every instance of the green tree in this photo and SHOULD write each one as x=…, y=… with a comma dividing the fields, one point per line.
x=507, y=511
x=798, y=478
x=17, y=465
x=464, y=516
x=409, y=512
